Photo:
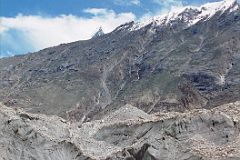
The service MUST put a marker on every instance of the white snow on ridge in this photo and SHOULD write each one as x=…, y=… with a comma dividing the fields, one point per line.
x=203, y=12
x=209, y=9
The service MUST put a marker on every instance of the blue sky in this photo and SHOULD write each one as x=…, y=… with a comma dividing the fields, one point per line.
x=12, y=8
x=30, y=25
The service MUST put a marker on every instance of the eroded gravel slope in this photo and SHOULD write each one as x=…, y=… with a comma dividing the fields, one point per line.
x=128, y=133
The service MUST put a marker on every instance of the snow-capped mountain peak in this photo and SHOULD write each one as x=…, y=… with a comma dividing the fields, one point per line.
x=189, y=14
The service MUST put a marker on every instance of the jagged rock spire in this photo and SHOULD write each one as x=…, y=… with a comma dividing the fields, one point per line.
x=99, y=32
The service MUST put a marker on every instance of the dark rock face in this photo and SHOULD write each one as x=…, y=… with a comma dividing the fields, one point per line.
x=155, y=68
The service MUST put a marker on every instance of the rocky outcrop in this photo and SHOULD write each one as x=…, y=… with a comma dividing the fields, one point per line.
x=128, y=133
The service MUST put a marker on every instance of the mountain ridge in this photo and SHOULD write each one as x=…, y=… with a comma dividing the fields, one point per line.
x=203, y=12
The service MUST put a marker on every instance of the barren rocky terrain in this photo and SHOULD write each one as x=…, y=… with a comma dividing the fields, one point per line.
x=167, y=89
x=128, y=133
x=171, y=66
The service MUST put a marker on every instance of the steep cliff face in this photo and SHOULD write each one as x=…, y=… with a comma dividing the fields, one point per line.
x=128, y=133
x=183, y=60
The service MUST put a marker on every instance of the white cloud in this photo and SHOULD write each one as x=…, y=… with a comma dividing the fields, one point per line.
x=2, y=28
x=97, y=11
x=127, y=2
x=167, y=5
x=49, y=31
x=136, y=2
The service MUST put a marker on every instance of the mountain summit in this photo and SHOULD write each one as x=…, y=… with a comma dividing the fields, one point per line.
x=189, y=15
x=99, y=32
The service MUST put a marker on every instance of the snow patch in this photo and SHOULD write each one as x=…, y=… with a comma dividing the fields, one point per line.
x=222, y=79
x=204, y=12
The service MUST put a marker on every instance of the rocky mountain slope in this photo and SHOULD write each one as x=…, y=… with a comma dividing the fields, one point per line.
x=163, y=89
x=183, y=60
x=127, y=133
